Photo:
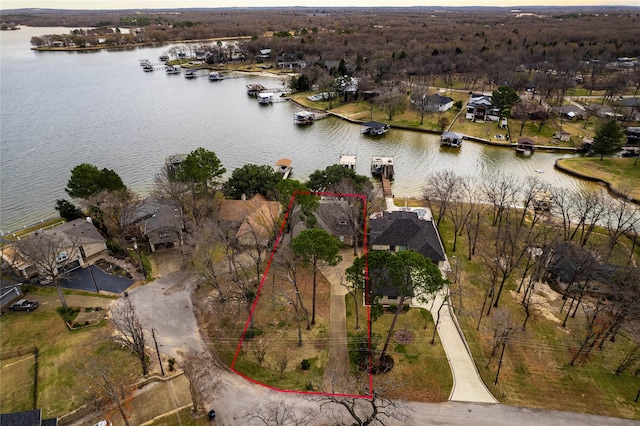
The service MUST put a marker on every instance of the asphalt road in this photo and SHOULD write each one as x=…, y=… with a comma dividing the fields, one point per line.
x=165, y=304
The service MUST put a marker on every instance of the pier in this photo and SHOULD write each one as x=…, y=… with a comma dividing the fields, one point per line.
x=386, y=187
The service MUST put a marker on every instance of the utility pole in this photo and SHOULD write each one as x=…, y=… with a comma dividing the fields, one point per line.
x=153, y=334
x=504, y=345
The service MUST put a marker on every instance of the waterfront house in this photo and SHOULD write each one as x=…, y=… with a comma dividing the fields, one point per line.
x=254, y=221
x=159, y=220
x=570, y=112
x=333, y=216
x=432, y=103
x=79, y=241
x=481, y=109
x=405, y=230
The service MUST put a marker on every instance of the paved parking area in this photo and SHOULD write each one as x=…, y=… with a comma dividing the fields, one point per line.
x=95, y=279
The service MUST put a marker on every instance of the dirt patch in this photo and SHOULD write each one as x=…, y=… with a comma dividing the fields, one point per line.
x=542, y=299
x=166, y=261
x=403, y=336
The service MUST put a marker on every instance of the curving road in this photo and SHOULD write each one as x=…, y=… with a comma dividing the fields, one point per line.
x=165, y=305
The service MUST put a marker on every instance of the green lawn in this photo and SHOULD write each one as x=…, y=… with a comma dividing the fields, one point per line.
x=622, y=174
x=61, y=353
x=421, y=368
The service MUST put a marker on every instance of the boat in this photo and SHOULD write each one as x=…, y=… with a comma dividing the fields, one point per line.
x=191, y=74
x=144, y=62
x=348, y=161
x=383, y=167
x=164, y=58
x=539, y=171
x=264, y=98
x=451, y=139
x=173, y=69
x=254, y=89
x=283, y=166
x=525, y=146
x=374, y=128
x=147, y=68
x=304, y=117
x=542, y=200
x=215, y=76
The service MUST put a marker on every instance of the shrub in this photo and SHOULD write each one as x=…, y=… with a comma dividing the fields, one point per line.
x=172, y=362
x=406, y=307
x=393, y=308
x=253, y=332
x=305, y=364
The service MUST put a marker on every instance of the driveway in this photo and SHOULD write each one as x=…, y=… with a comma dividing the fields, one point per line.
x=165, y=305
x=95, y=279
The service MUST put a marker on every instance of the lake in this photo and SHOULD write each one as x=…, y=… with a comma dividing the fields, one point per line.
x=60, y=109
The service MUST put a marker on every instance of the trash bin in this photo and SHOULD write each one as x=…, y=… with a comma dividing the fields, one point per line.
x=211, y=414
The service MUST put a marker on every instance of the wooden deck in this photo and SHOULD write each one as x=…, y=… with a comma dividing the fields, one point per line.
x=386, y=187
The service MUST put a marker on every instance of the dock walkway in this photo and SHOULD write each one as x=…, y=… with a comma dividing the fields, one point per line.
x=386, y=187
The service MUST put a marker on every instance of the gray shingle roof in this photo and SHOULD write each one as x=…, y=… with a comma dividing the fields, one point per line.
x=403, y=228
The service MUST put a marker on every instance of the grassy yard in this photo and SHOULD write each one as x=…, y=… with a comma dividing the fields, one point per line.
x=420, y=368
x=61, y=353
x=623, y=174
x=535, y=371
x=410, y=118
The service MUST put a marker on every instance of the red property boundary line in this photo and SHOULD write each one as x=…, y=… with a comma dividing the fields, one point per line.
x=264, y=277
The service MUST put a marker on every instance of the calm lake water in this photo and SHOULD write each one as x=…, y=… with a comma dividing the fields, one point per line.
x=60, y=109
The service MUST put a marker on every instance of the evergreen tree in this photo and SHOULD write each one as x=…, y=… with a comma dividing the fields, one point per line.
x=608, y=139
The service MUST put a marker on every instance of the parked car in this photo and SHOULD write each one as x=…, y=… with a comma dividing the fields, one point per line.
x=103, y=423
x=24, y=305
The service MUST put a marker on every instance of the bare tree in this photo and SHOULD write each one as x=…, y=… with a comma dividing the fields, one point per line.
x=501, y=191
x=622, y=217
x=631, y=358
x=107, y=387
x=477, y=218
x=280, y=413
x=52, y=253
x=392, y=101
x=130, y=332
x=203, y=380
x=285, y=258
x=532, y=188
x=282, y=361
x=115, y=210
x=441, y=188
x=377, y=408
x=461, y=206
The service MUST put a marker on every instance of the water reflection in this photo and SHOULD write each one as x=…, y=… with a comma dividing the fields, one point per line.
x=59, y=110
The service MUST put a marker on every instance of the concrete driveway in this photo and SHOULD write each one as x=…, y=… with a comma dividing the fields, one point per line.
x=94, y=279
x=164, y=305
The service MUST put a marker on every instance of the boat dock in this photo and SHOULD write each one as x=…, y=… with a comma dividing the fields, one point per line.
x=384, y=167
x=348, y=161
x=386, y=187
x=283, y=166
